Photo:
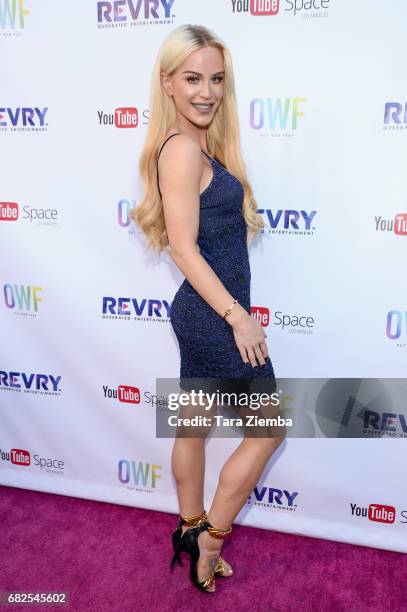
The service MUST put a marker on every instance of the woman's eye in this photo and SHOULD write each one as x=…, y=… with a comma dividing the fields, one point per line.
x=193, y=78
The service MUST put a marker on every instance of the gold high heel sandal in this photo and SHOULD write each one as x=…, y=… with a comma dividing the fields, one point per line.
x=223, y=568
x=190, y=545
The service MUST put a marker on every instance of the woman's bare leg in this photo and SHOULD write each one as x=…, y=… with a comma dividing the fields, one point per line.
x=188, y=462
x=188, y=468
x=237, y=479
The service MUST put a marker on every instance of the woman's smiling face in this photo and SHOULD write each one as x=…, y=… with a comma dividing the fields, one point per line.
x=197, y=86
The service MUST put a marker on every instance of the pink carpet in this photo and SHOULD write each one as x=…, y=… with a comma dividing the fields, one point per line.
x=115, y=558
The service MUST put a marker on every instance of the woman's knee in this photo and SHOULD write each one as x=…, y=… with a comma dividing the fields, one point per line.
x=265, y=444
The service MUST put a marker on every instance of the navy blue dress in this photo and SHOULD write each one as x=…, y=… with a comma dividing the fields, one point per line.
x=210, y=359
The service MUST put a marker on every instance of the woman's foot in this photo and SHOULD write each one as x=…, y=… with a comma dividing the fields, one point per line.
x=209, y=549
x=227, y=571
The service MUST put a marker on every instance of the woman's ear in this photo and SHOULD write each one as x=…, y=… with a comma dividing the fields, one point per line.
x=166, y=83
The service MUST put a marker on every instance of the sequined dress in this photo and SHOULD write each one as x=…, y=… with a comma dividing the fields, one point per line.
x=207, y=346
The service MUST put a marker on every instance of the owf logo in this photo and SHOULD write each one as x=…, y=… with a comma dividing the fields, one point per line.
x=12, y=14
x=396, y=324
x=139, y=473
x=22, y=297
x=276, y=113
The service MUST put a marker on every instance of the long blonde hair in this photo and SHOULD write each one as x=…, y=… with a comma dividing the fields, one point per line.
x=223, y=135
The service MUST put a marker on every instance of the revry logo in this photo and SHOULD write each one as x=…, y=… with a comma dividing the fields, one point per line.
x=383, y=422
x=116, y=11
x=395, y=114
x=23, y=297
x=12, y=13
x=144, y=309
x=274, y=497
x=23, y=115
x=44, y=383
x=290, y=219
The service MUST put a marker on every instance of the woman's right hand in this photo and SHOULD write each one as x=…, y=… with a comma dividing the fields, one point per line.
x=249, y=338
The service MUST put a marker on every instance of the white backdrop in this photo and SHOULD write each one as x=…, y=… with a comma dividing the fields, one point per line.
x=314, y=80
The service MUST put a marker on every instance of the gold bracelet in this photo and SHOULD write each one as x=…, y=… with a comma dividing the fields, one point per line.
x=227, y=310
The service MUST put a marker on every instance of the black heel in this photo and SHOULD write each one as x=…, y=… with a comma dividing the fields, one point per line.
x=190, y=545
x=176, y=557
x=176, y=545
x=177, y=535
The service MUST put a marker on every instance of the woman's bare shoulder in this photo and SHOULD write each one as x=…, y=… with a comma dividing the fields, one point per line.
x=182, y=146
x=180, y=163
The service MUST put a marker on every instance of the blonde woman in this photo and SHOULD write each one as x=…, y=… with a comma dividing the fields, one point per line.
x=199, y=207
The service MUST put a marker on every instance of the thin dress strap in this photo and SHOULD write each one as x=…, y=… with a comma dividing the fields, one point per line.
x=161, y=148
x=159, y=153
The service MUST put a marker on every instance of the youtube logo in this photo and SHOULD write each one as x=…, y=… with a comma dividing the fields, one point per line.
x=19, y=456
x=261, y=314
x=126, y=117
x=8, y=211
x=381, y=514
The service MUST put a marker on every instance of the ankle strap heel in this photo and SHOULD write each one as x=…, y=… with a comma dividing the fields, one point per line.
x=193, y=521
x=190, y=546
x=219, y=534
x=189, y=521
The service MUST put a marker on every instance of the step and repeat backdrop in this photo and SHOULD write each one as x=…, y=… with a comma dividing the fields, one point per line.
x=85, y=307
